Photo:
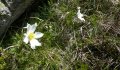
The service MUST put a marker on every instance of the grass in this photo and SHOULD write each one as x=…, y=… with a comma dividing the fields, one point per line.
x=67, y=44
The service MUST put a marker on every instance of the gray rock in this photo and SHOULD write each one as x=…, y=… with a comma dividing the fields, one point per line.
x=4, y=10
x=10, y=10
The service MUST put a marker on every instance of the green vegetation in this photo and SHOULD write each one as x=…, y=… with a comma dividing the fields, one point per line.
x=68, y=43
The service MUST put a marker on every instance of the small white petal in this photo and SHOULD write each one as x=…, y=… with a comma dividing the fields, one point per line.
x=36, y=24
x=28, y=25
x=38, y=34
x=78, y=8
x=34, y=43
x=79, y=15
x=32, y=46
x=25, y=34
x=82, y=19
x=32, y=28
x=26, y=40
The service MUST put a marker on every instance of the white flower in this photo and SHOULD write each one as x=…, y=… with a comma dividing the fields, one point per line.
x=79, y=15
x=31, y=36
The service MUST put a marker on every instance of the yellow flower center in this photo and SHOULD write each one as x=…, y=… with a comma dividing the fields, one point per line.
x=31, y=36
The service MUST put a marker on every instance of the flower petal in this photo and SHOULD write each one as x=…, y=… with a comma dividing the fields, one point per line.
x=82, y=19
x=34, y=43
x=26, y=39
x=32, y=28
x=27, y=25
x=79, y=15
x=25, y=34
x=38, y=34
x=36, y=24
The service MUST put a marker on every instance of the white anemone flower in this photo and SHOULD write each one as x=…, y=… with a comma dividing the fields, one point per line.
x=79, y=15
x=31, y=36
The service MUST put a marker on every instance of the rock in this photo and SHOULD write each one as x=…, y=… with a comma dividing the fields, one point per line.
x=10, y=10
x=4, y=10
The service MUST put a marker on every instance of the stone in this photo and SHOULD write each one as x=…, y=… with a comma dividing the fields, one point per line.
x=10, y=10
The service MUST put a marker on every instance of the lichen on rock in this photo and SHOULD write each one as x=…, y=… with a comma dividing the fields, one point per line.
x=4, y=10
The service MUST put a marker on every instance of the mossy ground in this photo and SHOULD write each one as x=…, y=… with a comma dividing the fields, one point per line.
x=67, y=44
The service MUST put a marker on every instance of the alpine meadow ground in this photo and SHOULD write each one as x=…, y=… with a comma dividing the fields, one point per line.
x=68, y=42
